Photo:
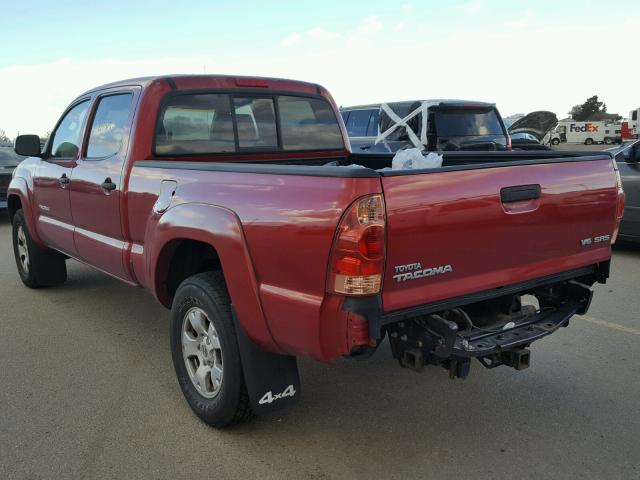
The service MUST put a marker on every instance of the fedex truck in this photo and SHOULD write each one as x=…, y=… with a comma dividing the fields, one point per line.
x=588, y=133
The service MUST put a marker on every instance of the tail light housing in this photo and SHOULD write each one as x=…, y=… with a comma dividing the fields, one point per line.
x=619, y=203
x=357, y=257
x=508, y=139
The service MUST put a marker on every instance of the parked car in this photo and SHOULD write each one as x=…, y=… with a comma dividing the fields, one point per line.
x=530, y=131
x=235, y=202
x=9, y=160
x=628, y=159
x=451, y=125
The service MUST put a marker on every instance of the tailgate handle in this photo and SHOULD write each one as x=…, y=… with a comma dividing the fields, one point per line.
x=519, y=193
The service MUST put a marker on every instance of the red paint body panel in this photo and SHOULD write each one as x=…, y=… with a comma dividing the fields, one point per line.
x=289, y=246
x=457, y=218
x=273, y=232
x=53, y=205
x=97, y=213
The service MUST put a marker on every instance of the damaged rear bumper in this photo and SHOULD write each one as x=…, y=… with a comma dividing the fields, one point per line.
x=479, y=343
x=444, y=334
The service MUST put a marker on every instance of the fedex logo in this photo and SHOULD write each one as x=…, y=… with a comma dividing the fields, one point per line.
x=587, y=127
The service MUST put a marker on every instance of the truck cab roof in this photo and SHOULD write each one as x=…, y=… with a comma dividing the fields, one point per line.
x=188, y=81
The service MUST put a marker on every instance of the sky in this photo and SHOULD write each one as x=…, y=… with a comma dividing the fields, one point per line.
x=524, y=56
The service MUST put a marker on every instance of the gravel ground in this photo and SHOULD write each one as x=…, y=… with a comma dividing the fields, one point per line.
x=88, y=391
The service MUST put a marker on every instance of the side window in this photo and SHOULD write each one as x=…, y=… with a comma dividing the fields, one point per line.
x=634, y=116
x=345, y=116
x=66, y=138
x=308, y=124
x=256, y=122
x=372, y=129
x=109, y=125
x=358, y=123
x=195, y=124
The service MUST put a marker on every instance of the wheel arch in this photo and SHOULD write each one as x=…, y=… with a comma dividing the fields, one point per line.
x=192, y=238
x=18, y=198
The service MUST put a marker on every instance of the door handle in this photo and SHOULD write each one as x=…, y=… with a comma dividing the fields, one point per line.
x=64, y=180
x=108, y=185
x=520, y=193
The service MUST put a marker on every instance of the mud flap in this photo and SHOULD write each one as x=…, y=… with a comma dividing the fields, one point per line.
x=272, y=380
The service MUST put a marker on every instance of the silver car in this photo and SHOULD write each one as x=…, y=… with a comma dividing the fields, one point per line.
x=628, y=159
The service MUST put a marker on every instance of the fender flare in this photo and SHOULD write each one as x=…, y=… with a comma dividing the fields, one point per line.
x=18, y=187
x=222, y=229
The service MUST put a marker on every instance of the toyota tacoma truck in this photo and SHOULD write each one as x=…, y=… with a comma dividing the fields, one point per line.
x=237, y=203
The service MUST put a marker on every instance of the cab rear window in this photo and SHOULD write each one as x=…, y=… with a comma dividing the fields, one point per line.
x=214, y=123
x=453, y=122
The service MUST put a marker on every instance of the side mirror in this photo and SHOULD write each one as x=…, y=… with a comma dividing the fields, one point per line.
x=27, y=145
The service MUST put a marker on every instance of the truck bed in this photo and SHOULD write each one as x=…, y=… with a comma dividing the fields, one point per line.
x=463, y=226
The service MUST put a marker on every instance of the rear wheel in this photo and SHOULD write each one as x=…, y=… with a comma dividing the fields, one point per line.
x=588, y=141
x=205, y=351
x=37, y=266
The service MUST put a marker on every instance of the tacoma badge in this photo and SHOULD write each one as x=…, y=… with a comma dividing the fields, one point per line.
x=413, y=271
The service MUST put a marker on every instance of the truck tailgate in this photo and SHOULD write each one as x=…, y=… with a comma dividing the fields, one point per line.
x=451, y=233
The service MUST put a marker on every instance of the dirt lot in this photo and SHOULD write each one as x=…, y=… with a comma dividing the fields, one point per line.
x=88, y=391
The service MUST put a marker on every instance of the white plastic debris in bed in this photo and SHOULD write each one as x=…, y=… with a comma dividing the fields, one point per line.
x=417, y=141
x=413, y=158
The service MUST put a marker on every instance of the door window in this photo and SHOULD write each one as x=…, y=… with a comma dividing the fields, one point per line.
x=372, y=129
x=109, y=125
x=358, y=123
x=66, y=138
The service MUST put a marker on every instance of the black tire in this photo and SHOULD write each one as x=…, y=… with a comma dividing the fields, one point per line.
x=588, y=141
x=608, y=141
x=208, y=293
x=555, y=141
x=44, y=267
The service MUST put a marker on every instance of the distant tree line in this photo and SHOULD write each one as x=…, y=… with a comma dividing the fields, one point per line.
x=3, y=138
x=589, y=110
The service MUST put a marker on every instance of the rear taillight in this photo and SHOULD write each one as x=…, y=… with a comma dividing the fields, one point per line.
x=357, y=256
x=508, y=139
x=619, y=203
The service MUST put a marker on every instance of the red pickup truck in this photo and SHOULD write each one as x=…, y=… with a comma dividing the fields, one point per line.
x=235, y=202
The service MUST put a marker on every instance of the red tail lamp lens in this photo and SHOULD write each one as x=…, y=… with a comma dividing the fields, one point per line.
x=371, y=243
x=357, y=257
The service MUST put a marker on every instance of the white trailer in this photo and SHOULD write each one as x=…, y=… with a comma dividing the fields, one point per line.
x=588, y=133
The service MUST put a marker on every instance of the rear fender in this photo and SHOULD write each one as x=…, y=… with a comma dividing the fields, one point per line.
x=222, y=229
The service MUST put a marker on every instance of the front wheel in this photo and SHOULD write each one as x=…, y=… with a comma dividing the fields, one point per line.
x=205, y=353
x=588, y=141
x=608, y=141
x=37, y=266
x=555, y=141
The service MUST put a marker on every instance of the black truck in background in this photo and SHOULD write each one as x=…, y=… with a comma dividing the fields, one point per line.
x=451, y=125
